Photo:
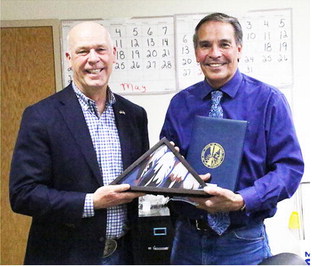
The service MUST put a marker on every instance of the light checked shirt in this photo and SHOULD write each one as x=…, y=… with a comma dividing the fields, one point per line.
x=105, y=139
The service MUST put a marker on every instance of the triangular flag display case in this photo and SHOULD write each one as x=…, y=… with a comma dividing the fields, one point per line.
x=162, y=171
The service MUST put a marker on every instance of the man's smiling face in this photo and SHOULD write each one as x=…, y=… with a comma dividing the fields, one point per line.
x=91, y=56
x=217, y=52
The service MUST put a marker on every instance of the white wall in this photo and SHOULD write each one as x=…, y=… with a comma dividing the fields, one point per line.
x=156, y=105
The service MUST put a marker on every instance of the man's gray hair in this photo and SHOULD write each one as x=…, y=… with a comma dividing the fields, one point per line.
x=221, y=17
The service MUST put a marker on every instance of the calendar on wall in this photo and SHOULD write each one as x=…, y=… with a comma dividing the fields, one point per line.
x=145, y=54
x=266, y=54
x=267, y=47
x=188, y=70
x=156, y=54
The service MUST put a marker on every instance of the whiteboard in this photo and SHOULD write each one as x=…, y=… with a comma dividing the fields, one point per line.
x=156, y=54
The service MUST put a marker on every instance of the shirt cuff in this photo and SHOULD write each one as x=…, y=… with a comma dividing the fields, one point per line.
x=88, y=210
x=252, y=202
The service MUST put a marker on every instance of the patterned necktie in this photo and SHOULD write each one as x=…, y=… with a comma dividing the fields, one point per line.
x=220, y=221
x=216, y=110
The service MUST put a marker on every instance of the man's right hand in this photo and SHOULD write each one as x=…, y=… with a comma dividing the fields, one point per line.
x=113, y=195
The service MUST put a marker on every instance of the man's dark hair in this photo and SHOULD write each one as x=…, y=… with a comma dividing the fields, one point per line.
x=221, y=17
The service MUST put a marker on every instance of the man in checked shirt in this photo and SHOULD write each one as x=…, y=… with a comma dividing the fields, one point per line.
x=70, y=146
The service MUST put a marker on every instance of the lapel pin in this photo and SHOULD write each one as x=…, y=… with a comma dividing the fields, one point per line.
x=122, y=112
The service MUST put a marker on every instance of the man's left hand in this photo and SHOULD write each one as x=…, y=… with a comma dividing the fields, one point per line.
x=222, y=200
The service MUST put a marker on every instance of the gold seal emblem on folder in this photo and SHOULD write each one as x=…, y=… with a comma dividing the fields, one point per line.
x=212, y=155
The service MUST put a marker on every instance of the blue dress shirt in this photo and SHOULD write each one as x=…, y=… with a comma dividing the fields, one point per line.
x=272, y=164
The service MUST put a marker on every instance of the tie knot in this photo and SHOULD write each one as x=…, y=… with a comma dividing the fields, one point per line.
x=216, y=96
x=216, y=109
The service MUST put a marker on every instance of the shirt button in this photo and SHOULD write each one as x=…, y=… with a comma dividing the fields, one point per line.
x=102, y=239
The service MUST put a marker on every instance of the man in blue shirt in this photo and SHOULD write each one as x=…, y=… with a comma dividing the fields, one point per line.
x=272, y=164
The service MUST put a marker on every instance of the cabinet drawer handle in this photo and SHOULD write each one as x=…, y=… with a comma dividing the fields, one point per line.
x=158, y=248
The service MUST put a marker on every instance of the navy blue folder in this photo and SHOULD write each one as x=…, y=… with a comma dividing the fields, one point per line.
x=216, y=147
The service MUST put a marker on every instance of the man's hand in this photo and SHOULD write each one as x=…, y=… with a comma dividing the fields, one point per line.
x=113, y=195
x=175, y=147
x=222, y=200
x=205, y=177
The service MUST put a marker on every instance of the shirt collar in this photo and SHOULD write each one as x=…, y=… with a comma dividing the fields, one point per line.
x=230, y=88
x=90, y=103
